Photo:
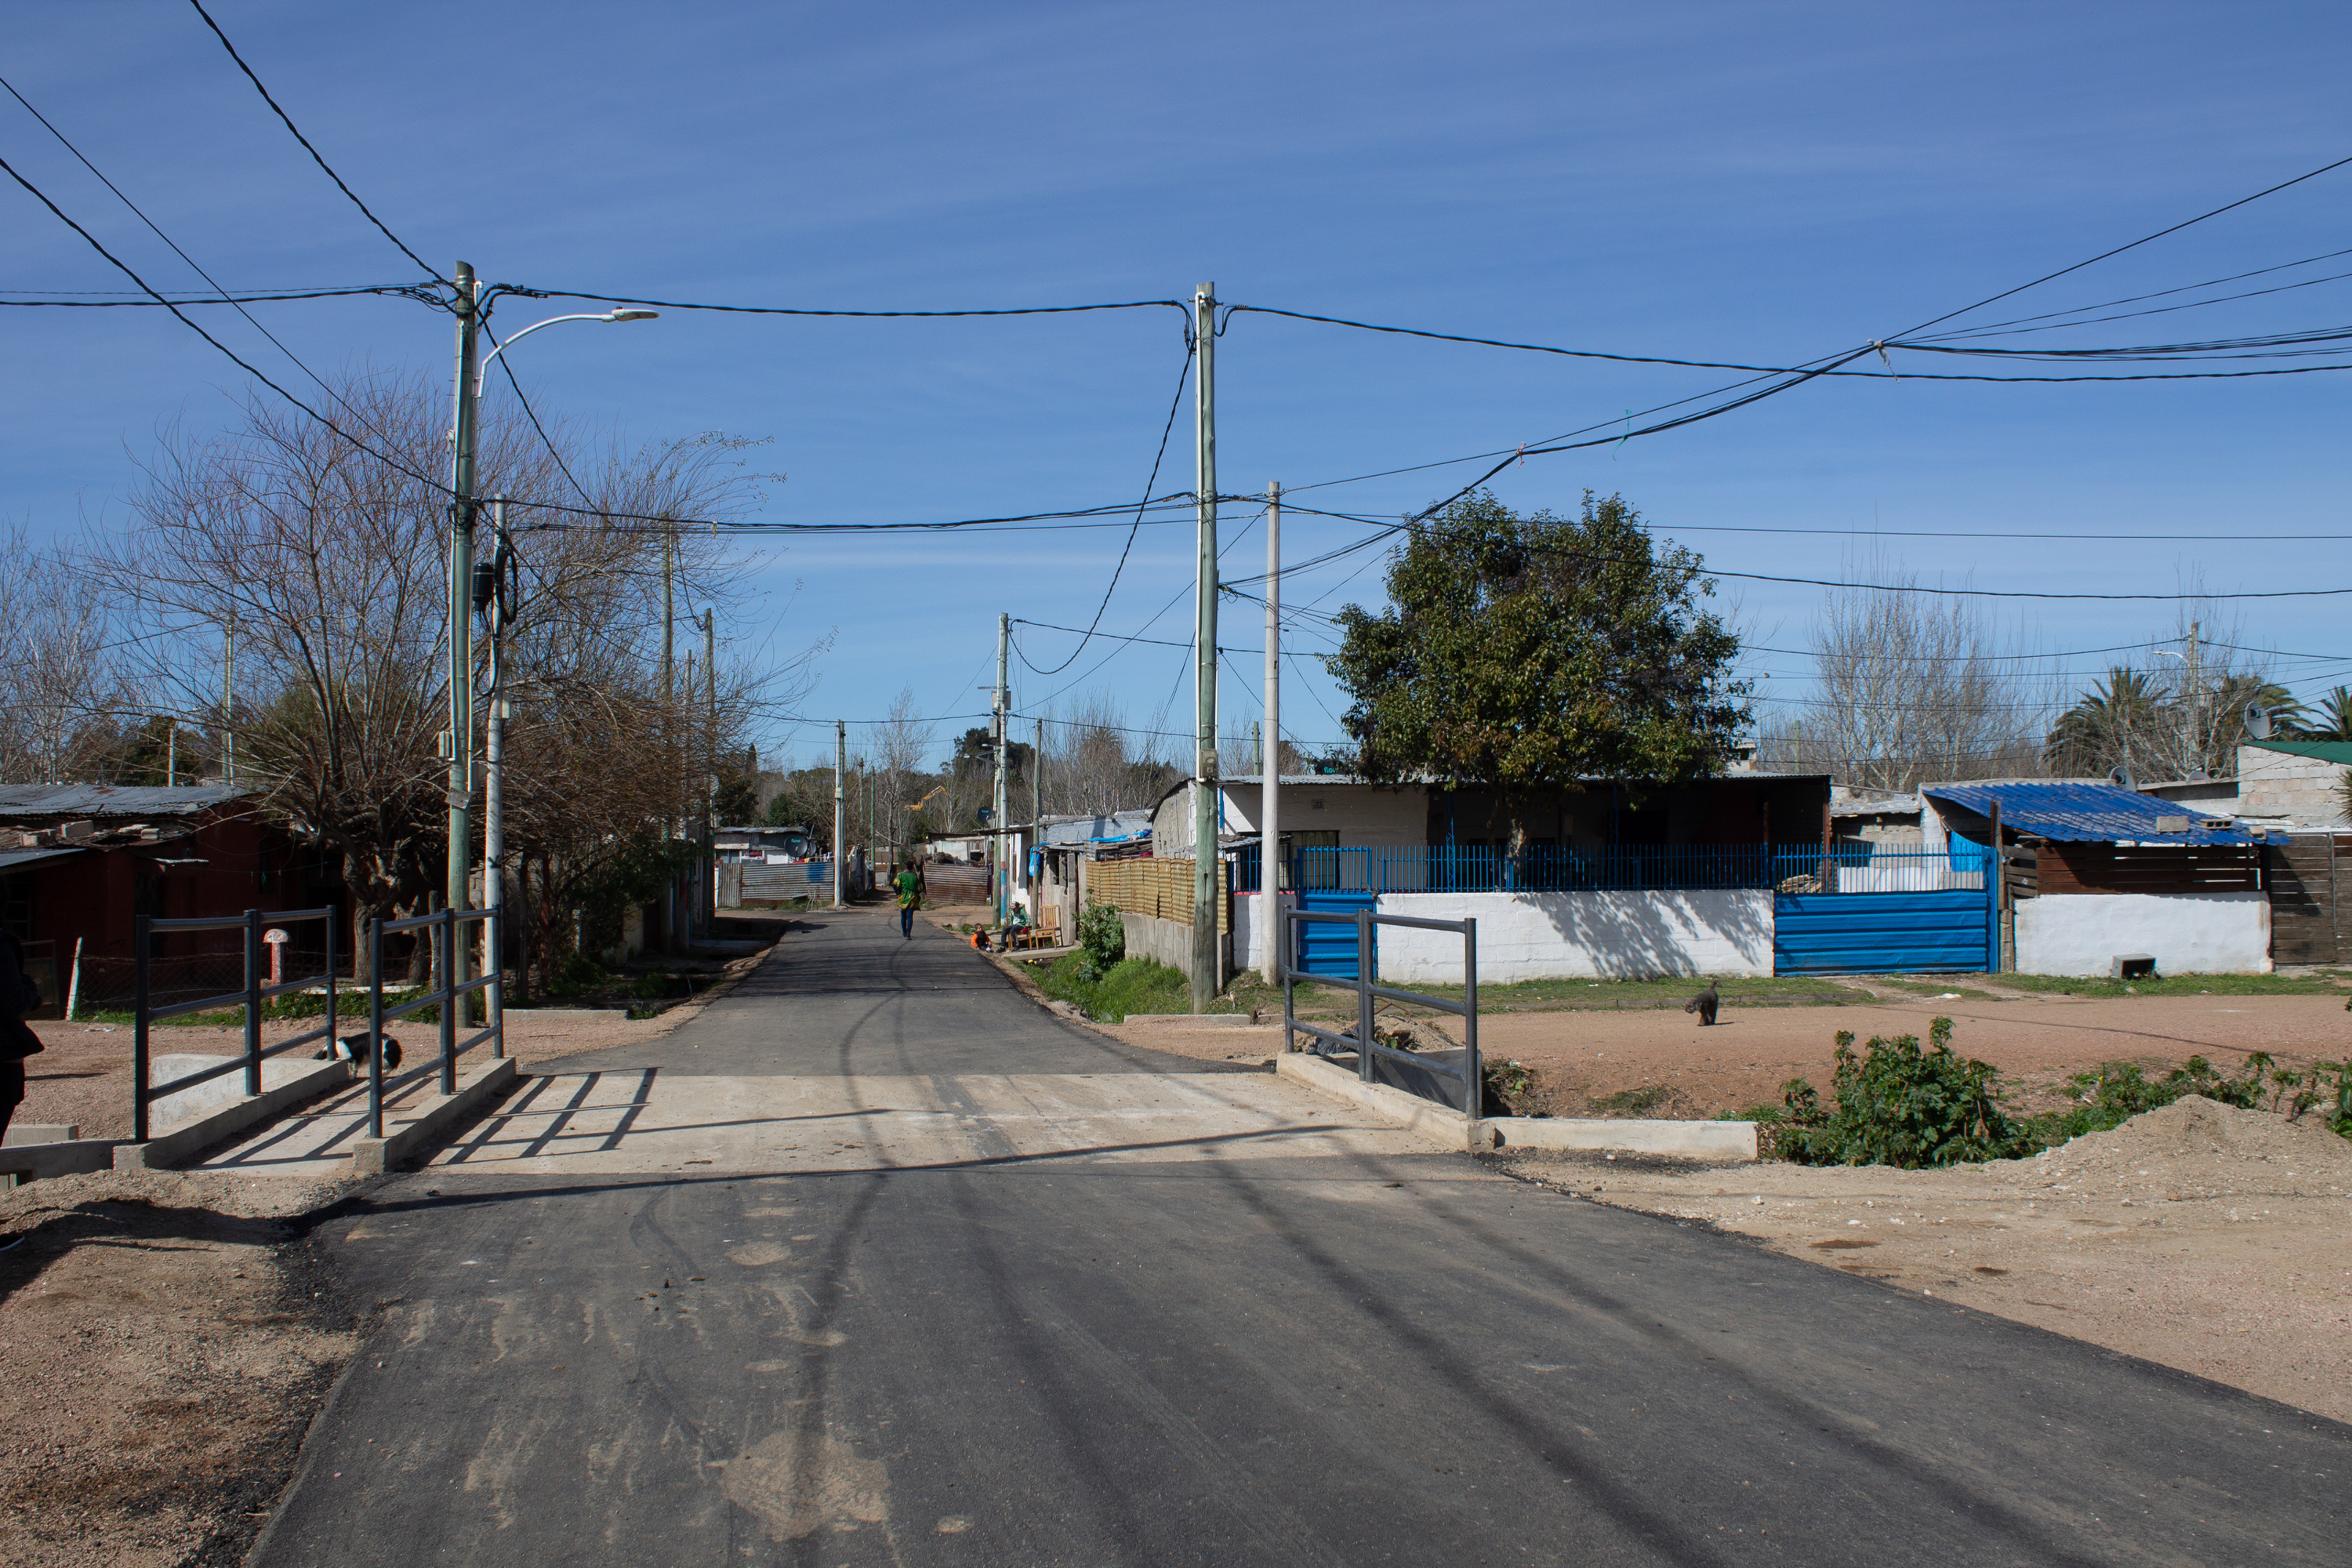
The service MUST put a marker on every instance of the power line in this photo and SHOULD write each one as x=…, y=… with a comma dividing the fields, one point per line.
x=234, y=356
x=1176, y=404
x=409, y=291
x=2136, y=299
x=315, y=157
x=802, y=310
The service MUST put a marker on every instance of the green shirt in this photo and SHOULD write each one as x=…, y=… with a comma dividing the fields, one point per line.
x=908, y=885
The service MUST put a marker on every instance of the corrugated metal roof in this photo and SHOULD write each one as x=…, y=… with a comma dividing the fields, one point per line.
x=2087, y=814
x=17, y=859
x=114, y=800
x=2339, y=752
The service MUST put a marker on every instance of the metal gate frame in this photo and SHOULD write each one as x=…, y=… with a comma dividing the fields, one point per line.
x=1364, y=1042
x=442, y=926
x=253, y=922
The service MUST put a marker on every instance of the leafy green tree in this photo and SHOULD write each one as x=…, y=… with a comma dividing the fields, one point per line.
x=736, y=802
x=2333, y=718
x=1526, y=654
x=2112, y=725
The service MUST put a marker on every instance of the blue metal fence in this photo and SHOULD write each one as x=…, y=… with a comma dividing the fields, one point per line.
x=1559, y=868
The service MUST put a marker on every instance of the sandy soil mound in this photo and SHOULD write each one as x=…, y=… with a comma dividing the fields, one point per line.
x=2193, y=1133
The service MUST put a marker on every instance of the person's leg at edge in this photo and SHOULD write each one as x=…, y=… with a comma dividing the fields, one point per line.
x=906, y=921
x=12, y=1092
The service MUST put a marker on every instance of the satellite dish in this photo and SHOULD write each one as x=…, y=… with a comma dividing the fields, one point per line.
x=2121, y=778
x=2258, y=722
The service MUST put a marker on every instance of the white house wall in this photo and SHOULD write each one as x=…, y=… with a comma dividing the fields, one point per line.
x=1591, y=936
x=1359, y=814
x=1254, y=928
x=2185, y=933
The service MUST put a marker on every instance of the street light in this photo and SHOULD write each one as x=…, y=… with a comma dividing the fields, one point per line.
x=472, y=371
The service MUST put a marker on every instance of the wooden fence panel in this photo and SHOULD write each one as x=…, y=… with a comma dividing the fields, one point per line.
x=1157, y=886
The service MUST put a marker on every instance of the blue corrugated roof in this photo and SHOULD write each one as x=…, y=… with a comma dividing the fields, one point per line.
x=2086, y=812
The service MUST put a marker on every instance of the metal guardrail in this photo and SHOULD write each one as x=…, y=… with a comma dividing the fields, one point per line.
x=1364, y=1042
x=443, y=927
x=250, y=997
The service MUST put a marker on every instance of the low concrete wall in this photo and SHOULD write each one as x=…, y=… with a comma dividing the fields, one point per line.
x=1439, y=1124
x=176, y=1142
x=2187, y=933
x=1587, y=936
x=65, y=1157
x=374, y=1156
x=1688, y=1139
x=1148, y=936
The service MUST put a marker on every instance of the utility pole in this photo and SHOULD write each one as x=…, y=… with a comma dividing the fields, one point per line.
x=1269, y=765
x=840, y=760
x=2195, y=704
x=170, y=752
x=1037, y=783
x=1206, y=977
x=461, y=618
x=228, y=701
x=494, y=825
x=708, y=912
x=1003, y=783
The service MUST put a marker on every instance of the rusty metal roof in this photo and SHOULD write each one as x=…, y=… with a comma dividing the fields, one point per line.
x=115, y=800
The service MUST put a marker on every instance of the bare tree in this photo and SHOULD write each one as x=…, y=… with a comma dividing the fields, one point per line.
x=1095, y=764
x=61, y=666
x=903, y=739
x=1910, y=686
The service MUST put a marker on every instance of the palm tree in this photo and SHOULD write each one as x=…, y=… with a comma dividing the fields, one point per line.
x=2334, y=718
x=2117, y=723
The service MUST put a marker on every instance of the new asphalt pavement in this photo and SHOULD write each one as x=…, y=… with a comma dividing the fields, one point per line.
x=876, y=1261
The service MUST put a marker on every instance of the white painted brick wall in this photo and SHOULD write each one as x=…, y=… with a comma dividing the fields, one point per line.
x=2187, y=933
x=1594, y=936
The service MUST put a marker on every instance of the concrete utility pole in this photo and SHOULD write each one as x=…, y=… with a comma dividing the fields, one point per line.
x=840, y=760
x=494, y=825
x=461, y=608
x=1003, y=782
x=2196, y=702
x=1269, y=757
x=228, y=701
x=170, y=752
x=1206, y=977
x=709, y=911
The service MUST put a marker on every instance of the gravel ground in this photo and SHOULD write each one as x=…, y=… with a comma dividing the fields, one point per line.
x=164, y=1342
x=2211, y=1239
x=83, y=1074
x=2036, y=1041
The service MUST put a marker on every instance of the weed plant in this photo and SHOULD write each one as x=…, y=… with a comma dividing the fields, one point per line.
x=1102, y=942
x=1899, y=1104
x=1128, y=985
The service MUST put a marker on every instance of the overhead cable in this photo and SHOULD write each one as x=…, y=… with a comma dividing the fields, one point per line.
x=315, y=156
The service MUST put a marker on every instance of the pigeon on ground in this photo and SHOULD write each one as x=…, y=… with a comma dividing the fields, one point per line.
x=1704, y=1005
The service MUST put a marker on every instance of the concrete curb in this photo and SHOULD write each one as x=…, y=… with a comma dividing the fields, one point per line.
x=64, y=1157
x=374, y=1156
x=1438, y=1124
x=1687, y=1139
x=163, y=1153
x=1200, y=1020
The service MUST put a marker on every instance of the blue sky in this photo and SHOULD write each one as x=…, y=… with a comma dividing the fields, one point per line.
x=1752, y=181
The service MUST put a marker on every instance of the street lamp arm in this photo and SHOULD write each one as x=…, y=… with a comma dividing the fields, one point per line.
x=482, y=374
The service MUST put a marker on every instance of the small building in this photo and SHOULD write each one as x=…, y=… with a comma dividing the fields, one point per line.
x=2294, y=785
x=1065, y=847
x=2099, y=871
x=80, y=863
x=1874, y=817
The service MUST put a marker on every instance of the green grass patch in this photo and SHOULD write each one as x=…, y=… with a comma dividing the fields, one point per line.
x=2182, y=985
x=1130, y=985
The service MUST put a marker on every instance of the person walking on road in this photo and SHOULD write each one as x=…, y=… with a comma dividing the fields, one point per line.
x=909, y=885
x=19, y=999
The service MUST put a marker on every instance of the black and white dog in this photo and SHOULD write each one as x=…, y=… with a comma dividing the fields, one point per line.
x=354, y=1048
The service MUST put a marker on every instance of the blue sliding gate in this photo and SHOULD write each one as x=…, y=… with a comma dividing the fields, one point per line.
x=1889, y=914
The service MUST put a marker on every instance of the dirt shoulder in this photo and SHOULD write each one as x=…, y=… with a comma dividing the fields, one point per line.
x=2034, y=1041
x=83, y=1076
x=164, y=1340
x=2209, y=1239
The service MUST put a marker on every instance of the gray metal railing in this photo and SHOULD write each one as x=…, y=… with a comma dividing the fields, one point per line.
x=251, y=996
x=443, y=927
x=1364, y=1042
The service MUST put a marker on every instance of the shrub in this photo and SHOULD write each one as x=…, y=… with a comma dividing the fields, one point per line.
x=2118, y=1091
x=1102, y=941
x=1897, y=1105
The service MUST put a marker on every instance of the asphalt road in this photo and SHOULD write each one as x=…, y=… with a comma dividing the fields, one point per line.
x=962, y=1284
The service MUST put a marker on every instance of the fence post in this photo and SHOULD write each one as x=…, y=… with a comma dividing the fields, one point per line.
x=445, y=934
x=1364, y=994
x=1475, y=1090
x=375, y=1027
x=496, y=924
x=253, y=1001
x=1282, y=929
x=140, y=939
